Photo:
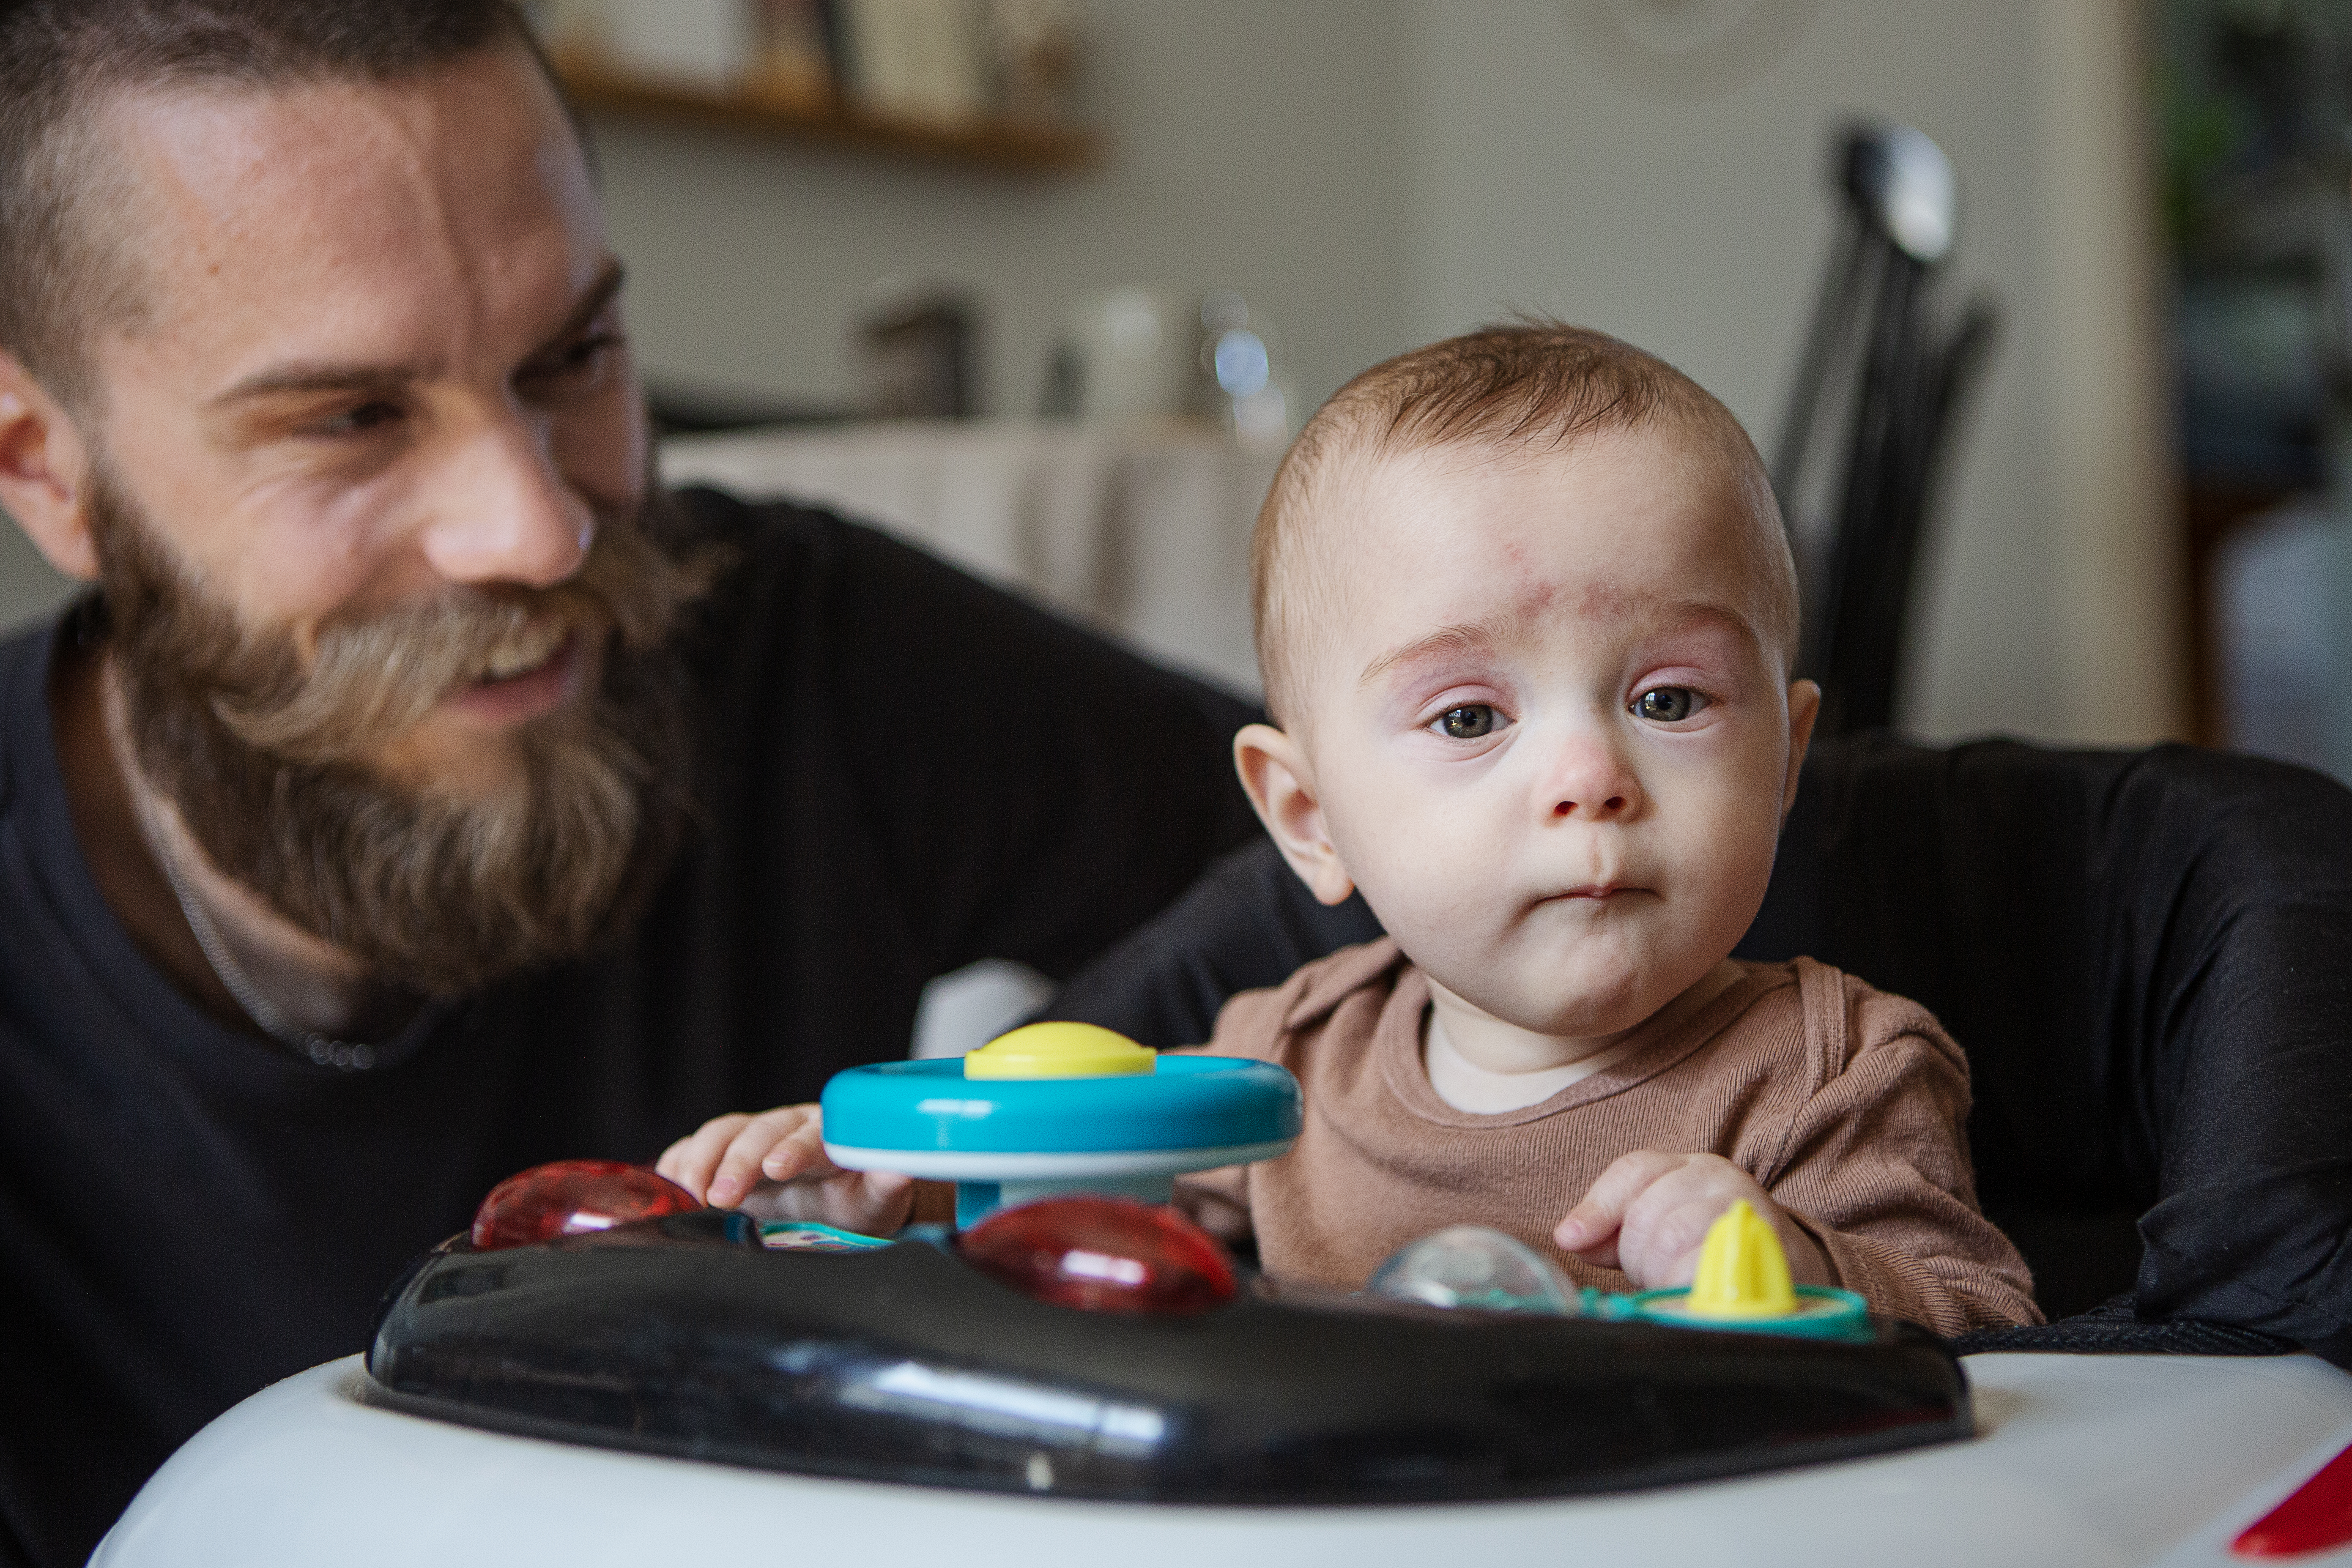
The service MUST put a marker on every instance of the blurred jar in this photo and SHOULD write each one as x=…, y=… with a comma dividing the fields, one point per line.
x=1157, y=351
x=1127, y=352
x=914, y=351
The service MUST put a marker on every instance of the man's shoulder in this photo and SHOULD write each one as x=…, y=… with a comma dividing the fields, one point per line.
x=805, y=570
x=769, y=533
x=757, y=531
x=27, y=646
x=23, y=680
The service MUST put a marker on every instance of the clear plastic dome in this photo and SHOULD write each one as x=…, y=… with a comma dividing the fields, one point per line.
x=1474, y=1266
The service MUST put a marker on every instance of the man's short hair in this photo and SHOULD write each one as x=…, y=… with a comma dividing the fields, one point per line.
x=1508, y=387
x=69, y=264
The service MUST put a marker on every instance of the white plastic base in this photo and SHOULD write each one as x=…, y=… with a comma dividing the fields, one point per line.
x=2084, y=1460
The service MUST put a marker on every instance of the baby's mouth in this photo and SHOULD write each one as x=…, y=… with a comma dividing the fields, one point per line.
x=1595, y=894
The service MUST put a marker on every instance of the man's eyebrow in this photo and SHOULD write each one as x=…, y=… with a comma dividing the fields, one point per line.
x=301, y=378
x=599, y=295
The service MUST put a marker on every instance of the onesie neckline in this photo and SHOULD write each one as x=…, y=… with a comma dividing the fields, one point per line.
x=1397, y=1043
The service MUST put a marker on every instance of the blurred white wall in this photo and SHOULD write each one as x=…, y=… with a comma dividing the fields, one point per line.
x=1252, y=146
x=1688, y=211
x=1374, y=174
x=1380, y=173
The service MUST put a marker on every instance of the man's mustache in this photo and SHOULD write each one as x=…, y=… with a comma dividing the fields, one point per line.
x=374, y=677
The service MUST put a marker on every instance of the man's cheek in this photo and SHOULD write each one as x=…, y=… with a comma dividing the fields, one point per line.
x=603, y=452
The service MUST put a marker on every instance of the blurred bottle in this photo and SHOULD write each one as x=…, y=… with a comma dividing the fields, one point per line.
x=1242, y=384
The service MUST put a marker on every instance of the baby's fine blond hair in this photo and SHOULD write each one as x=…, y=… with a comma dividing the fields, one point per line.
x=1510, y=388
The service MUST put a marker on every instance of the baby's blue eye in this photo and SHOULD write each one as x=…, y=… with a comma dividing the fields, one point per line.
x=1472, y=722
x=1667, y=704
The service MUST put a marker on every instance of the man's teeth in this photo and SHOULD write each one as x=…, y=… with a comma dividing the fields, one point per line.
x=526, y=650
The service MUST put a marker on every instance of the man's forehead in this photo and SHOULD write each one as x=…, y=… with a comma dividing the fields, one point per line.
x=313, y=197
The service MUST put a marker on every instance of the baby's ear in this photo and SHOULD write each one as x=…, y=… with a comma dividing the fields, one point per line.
x=1281, y=785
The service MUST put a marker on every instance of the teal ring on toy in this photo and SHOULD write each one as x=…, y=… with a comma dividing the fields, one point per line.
x=1187, y=1103
x=1822, y=1313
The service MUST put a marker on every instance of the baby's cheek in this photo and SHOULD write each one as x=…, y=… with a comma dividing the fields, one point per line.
x=1433, y=898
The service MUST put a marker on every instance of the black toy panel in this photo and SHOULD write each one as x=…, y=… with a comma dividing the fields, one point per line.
x=682, y=1336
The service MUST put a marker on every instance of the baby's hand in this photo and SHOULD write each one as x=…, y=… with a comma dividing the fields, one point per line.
x=1649, y=1212
x=773, y=1165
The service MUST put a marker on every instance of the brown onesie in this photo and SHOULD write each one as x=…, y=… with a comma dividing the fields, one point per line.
x=1845, y=1103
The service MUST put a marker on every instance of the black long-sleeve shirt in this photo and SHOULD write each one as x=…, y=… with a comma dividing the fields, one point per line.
x=899, y=771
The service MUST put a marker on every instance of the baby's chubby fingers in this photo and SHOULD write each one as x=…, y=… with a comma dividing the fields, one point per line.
x=692, y=1159
x=1662, y=1206
x=1667, y=1226
x=870, y=1201
x=784, y=1144
x=730, y=1155
x=1592, y=1227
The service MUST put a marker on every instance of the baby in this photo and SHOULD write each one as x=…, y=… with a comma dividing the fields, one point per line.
x=1526, y=612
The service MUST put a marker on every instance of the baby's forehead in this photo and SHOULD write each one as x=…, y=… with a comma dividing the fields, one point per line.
x=1615, y=521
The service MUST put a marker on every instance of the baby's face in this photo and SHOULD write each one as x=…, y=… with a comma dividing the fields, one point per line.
x=1548, y=723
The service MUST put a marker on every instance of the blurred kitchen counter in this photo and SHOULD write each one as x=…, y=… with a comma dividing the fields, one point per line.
x=1142, y=531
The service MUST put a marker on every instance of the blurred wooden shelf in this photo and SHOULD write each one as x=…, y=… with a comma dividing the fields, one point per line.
x=1008, y=145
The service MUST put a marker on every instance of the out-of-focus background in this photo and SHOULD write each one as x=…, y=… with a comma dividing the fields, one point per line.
x=1046, y=284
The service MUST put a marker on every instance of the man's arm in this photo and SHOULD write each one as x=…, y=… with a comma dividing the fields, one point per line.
x=1005, y=783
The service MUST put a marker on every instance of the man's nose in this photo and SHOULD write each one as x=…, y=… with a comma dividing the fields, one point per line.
x=1587, y=779
x=503, y=513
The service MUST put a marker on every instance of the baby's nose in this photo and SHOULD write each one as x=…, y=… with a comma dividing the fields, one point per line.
x=1590, y=781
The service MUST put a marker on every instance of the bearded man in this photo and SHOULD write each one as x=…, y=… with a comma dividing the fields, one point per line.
x=420, y=794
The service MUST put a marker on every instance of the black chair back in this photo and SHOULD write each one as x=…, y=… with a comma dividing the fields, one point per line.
x=2147, y=955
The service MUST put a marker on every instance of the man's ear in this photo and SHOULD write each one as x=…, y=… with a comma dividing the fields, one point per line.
x=44, y=472
x=1281, y=785
x=1804, y=707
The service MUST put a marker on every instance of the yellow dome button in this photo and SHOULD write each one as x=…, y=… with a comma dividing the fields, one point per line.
x=1742, y=1271
x=1061, y=1050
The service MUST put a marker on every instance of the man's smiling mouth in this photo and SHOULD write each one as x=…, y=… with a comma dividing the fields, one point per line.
x=530, y=673
x=523, y=652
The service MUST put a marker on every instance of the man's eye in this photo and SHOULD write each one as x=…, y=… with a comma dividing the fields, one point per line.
x=580, y=359
x=1667, y=704
x=367, y=416
x=1472, y=722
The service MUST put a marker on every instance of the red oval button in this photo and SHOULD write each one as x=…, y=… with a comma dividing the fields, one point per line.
x=2319, y=1516
x=573, y=1197
x=1103, y=1255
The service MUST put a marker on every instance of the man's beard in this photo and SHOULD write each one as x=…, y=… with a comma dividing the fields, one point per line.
x=265, y=758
